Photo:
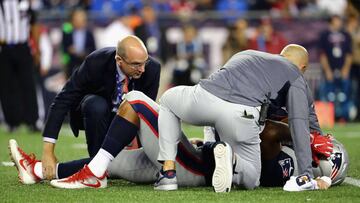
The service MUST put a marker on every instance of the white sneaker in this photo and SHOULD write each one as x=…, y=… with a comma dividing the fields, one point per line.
x=82, y=179
x=24, y=163
x=166, y=180
x=302, y=183
x=223, y=173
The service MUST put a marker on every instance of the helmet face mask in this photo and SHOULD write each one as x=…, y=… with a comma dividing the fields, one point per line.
x=336, y=166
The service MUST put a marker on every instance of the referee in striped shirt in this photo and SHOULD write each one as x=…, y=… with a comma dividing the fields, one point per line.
x=17, y=86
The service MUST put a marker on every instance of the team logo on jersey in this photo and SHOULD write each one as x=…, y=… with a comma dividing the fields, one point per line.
x=287, y=167
x=335, y=159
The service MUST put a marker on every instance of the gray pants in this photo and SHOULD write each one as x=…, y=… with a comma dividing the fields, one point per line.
x=141, y=165
x=196, y=106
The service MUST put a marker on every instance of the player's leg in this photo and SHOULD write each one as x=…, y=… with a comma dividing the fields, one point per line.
x=122, y=131
x=134, y=166
x=125, y=124
x=190, y=166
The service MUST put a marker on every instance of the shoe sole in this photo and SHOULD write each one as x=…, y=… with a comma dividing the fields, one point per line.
x=222, y=177
x=55, y=184
x=24, y=178
x=167, y=187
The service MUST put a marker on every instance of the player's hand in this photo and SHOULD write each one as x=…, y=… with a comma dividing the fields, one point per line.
x=49, y=161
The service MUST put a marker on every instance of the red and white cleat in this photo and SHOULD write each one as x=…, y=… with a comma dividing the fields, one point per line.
x=24, y=163
x=82, y=179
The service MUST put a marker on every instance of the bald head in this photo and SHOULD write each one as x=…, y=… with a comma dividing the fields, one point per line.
x=297, y=54
x=131, y=56
x=130, y=46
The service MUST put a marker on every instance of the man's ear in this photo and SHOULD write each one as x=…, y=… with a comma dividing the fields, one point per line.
x=303, y=68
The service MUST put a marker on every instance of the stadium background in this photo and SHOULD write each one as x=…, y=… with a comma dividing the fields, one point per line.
x=297, y=21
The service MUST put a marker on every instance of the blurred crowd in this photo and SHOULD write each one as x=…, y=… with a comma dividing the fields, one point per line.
x=191, y=50
x=276, y=7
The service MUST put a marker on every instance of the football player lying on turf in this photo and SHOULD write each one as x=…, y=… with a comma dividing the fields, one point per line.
x=278, y=160
x=195, y=167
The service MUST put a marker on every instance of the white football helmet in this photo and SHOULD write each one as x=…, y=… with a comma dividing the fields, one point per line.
x=336, y=166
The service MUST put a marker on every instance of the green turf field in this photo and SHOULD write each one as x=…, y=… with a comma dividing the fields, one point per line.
x=69, y=148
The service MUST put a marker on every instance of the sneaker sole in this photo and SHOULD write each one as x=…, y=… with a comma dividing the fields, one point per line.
x=222, y=177
x=24, y=178
x=167, y=187
x=55, y=184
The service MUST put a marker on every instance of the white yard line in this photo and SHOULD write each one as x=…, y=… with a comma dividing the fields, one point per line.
x=352, y=181
x=8, y=163
x=348, y=134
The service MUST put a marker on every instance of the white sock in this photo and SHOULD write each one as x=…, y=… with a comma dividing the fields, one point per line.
x=38, y=170
x=56, y=171
x=99, y=164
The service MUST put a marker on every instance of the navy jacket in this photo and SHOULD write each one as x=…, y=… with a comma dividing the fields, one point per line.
x=96, y=75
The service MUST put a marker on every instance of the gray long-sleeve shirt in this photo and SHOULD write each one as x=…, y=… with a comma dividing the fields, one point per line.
x=250, y=75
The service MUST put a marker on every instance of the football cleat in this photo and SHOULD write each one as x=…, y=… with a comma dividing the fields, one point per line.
x=24, y=163
x=166, y=180
x=223, y=173
x=82, y=179
x=303, y=182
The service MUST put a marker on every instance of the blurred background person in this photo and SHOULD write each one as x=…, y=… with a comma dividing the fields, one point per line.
x=231, y=9
x=190, y=65
x=77, y=42
x=267, y=39
x=237, y=39
x=205, y=5
x=149, y=31
x=353, y=27
x=17, y=86
x=333, y=7
x=118, y=29
x=336, y=58
x=42, y=51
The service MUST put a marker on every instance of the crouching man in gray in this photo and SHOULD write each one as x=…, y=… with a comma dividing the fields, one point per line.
x=230, y=100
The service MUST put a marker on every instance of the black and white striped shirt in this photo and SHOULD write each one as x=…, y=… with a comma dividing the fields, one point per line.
x=15, y=19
